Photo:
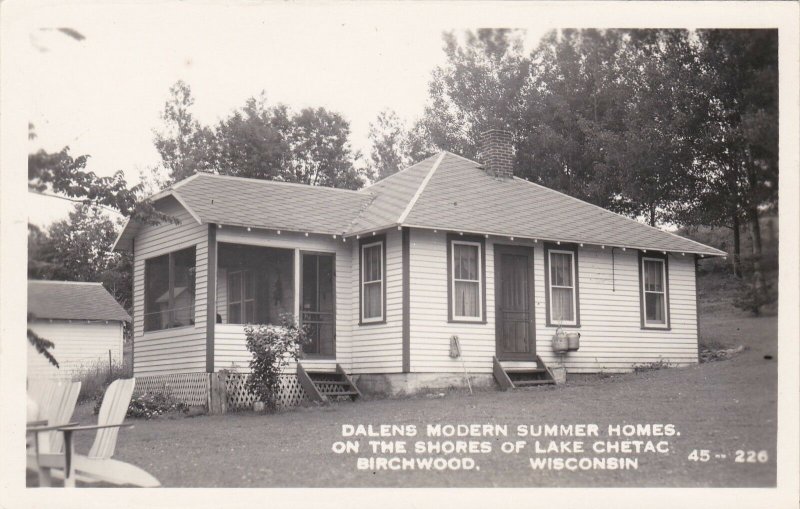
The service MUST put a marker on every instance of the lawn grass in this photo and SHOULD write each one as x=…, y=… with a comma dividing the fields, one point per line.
x=720, y=406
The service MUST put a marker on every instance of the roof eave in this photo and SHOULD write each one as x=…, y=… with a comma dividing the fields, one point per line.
x=711, y=251
x=116, y=245
x=154, y=198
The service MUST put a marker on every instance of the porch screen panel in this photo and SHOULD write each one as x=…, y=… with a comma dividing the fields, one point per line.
x=156, y=291
x=170, y=290
x=258, y=286
x=317, y=314
x=242, y=296
x=466, y=280
x=562, y=288
x=184, y=267
x=654, y=292
x=326, y=305
x=372, y=285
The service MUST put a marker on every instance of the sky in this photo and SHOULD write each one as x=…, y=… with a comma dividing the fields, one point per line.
x=103, y=95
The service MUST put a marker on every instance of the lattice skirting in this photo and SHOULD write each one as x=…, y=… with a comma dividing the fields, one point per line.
x=239, y=398
x=190, y=388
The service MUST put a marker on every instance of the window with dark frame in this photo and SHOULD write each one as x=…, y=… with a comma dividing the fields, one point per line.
x=372, y=282
x=655, y=312
x=169, y=290
x=562, y=286
x=466, y=278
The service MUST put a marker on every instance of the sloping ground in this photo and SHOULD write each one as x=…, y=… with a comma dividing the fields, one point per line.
x=721, y=407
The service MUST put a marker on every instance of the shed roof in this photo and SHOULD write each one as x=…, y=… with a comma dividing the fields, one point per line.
x=73, y=300
x=445, y=191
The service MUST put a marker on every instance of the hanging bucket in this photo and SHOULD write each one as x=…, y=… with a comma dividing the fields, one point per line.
x=573, y=341
x=560, y=341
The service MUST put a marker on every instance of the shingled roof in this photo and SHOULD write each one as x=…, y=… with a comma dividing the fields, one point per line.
x=456, y=194
x=444, y=191
x=72, y=300
x=268, y=204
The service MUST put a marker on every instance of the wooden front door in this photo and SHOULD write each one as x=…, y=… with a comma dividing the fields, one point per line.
x=515, y=330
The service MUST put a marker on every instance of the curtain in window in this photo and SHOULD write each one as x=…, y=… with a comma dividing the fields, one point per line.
x=372, y=300
x=654, y=303
x=466, y=280
x=654, y=295
x=372, y=274
x=561, y=288
x=562, y=305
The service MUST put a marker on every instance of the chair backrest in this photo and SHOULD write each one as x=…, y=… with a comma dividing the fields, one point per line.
x=62, y=412
x=112, y=411
x=42, y=391
x=56, y=400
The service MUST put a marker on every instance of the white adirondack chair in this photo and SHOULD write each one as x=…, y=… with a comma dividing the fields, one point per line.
x=56, y=401
x=98, y=466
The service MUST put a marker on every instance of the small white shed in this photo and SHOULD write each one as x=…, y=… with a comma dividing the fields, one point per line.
x=83, y=321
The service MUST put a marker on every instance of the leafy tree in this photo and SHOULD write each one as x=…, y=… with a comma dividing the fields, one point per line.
x=64, y=176
x=394, y=146
x=40, y=254
x=183, y=143
x=478, y=88
x=79, y=249
x=259, y=140
x=321, y=152
x=740, y=68
x=574, y=106
x=42, y=345
x=655, y=149
x=254, y=142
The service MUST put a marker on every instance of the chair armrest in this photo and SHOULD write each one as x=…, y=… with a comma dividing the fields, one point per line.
x=75, y=427
x=38, y=429
x=33, y=424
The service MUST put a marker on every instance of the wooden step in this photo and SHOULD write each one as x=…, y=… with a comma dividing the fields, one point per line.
x=341, y=393
x=529, y=383
x=524, y=370
x=518, y=376
x=315, y=384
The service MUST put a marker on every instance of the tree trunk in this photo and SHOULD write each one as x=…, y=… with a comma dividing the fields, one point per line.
x=759, y=288
x=737, y=246
x=652, y=214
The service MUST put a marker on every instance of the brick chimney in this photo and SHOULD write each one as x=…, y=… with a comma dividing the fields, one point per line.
x=496, y=153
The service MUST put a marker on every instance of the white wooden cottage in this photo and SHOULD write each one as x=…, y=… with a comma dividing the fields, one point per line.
x=83, y=321
x=387, y=276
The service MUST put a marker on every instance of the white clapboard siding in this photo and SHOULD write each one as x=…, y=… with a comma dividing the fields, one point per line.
x=430, y=330
x=611, y=335
x=230, y=351
x=179, y=350
x=79, y=346
x=378, y=348
x=612, y=338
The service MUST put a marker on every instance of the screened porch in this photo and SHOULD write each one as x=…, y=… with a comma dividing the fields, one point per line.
x=261, y=285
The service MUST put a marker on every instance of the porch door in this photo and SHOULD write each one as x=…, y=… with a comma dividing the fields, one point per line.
x=515, y=330
x=317, y=303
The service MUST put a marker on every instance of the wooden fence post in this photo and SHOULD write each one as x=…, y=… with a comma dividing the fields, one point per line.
x=217, y=394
